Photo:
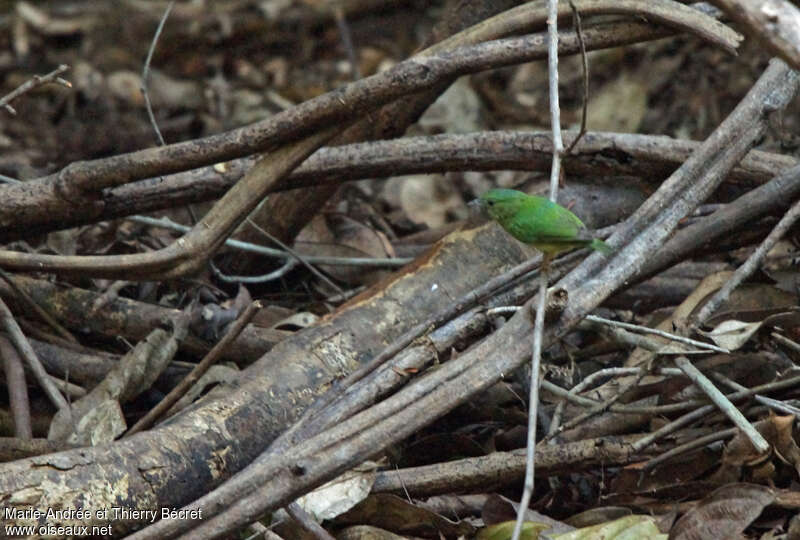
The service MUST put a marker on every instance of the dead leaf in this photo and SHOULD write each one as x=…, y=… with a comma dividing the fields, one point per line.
x=365, y=532
x=531, y=530
x=725, y=513
x=339, y=495
x=604, y=112
x=97, y=417
x=270, y=315
x=296, y=321
x=457, y=110
x=425, y=199
x=639, y=527
x=215, y=375
x=398, y=515
x=337, y=235
x=596, y=516
x=498, y=509
x=732, y=334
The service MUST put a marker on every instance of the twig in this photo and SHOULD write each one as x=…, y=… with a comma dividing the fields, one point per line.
x=576, y=17
x=72, y=391
x=307, y=522
x=33, y=82
x=672, y=427
x=555, y=110
x=394, y=262
x=533, y=402
x=109, y=295
x=600, y=407
x=36, y=308
x=300, y=258
x=745, y=210
x=769, y=402
x=9, y=180
x=538, y=326
x=750, y=265
x=590, y=380
x=17, y=390
x=626, y=337
x=775, y=23
x=347, y=39
x=146, y=72
x=473, y=474
x=199, y=370
x=647, y=330
x=672, y=407
x=27, y=353
x=783, y=340
x=594, y=322
x=691, y=445
x=722, y=402
x=285, y=268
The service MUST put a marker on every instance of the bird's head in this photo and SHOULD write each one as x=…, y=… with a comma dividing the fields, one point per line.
x=500, y=204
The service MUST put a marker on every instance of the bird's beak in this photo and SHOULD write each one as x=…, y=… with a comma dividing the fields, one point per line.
x=477, y=211
x=476, y=206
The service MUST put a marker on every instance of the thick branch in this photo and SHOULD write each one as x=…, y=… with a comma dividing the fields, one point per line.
x=598, y=154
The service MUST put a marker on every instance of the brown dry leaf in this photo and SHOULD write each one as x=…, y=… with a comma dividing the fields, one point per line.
x=270, y=315
x=595, y=516
x=604, y=111
x=784, y=443
x=498, y=509
x=299, y=320
x=725, y=513
x=739, y=454
x=365, y=532
x=777, y=430
x=741, y=459
x=218, y=374
x=781, y=269
x=748, y=369
x=425, y=198
x=64, y=242
x=681, y=471
x=210, y=320
x=680, y=315
x=41, y=21
x=336, y=235
x=397, y=515
x=97, y=417
x=457, y=110
x=126, y=86
x=754, y=302
x=340, y=494
x=732, y=334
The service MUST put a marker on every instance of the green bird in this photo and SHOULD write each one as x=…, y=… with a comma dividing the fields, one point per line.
x=538, y=221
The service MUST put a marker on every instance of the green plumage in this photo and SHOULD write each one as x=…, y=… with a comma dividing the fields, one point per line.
x=537, y=221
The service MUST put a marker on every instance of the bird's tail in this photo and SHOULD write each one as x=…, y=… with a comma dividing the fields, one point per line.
x=601, y=246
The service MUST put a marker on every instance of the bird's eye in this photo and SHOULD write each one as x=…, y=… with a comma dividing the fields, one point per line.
x=490, y=203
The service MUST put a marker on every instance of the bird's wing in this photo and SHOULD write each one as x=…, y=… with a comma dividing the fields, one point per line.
x=581, y=236
x=547, y=222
